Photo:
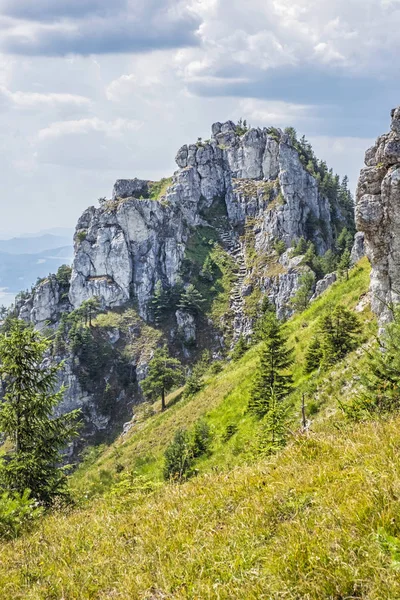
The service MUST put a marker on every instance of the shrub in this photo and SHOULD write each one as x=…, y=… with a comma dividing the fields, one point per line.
x=178, y=458
x=81, y=235
x=184, y=449
x=229, y=432
x=17, y=512
x=201, y=438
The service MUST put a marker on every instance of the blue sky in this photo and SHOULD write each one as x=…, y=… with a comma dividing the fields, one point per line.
x=93, y=90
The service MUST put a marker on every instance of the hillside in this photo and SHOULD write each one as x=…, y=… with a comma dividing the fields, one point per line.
x=316, y=520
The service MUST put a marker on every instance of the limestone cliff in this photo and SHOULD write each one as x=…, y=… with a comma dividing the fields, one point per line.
x=237, y=183
x=378, y=217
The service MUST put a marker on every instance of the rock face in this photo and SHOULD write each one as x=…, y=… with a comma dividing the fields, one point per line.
x=323, y=285
x=131, y=188
x=123, y=248
x=128, y=244
x=358, y=250
x=44, y=307
x=378, y=217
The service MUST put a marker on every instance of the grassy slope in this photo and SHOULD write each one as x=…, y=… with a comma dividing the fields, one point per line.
x=224, y=400
x=318, y=520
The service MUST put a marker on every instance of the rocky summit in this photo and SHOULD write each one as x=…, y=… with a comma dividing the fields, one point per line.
x=246, y=215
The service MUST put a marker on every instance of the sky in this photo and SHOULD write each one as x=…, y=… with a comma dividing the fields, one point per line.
x=96, y=90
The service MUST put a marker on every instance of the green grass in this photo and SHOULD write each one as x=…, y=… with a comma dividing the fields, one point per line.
x=158, y=189
x=320, y=519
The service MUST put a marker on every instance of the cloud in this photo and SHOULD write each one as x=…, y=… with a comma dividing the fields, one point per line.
x=42, y=10
x=114, y=128
x=34, y=100
x=340, y=38
x=95, y=26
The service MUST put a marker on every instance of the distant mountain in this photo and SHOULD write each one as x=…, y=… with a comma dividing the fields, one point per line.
x=20, y=271
x=34, y=245
x=65, y=232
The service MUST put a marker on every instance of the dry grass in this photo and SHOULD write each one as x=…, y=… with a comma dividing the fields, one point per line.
x=320, y=520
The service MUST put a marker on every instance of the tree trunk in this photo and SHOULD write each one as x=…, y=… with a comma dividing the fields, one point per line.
x=163, y=399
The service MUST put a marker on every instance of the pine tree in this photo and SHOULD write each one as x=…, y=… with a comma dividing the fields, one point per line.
x=159, y=303
x=191, y=300
x=339, y=334
x=300, y=248
x=87, y=311
x=35, y=436
x=274, y=425
x=272, y=375
x=164, y=373
x=302, y=297
x=314, y=355
x=329, y=262
x=381, y=379
x=178, y=457
x=344, y=241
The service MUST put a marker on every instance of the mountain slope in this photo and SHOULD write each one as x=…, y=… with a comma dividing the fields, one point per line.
x=317, y=520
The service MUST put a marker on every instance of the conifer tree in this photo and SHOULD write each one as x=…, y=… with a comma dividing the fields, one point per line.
x=191, y=300
x=273, y=372
x=381, y=378
x=164, y=373
x=240, y=348
x=159, y=302
x=313, y=355
x=339, y=334
x=302, y=297
x=33, y=433
x=274, y=425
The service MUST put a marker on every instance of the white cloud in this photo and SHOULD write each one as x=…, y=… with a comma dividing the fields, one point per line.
x=69, y=127
x=115, y=128
x=31, y=100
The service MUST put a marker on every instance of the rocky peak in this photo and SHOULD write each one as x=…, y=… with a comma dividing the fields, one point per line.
x=247, y=175
x=378, y=217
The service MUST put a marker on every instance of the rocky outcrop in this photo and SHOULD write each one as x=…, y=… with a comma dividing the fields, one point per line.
x=323, y=284
x=358, y=250
x=378, y=217
x=46, y=304
x=123, y=248
x=131, y=188
x=128, y=244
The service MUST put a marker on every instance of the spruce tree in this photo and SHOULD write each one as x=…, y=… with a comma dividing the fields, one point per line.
x=34, y=436
x=178, y=457
x=339, y=334
x=274, y=425
x=273, y=375
x=164, y=373
x=302, y=297
x=314, y=355
x=159, y=303
x=191, y=300
x=380, y=392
